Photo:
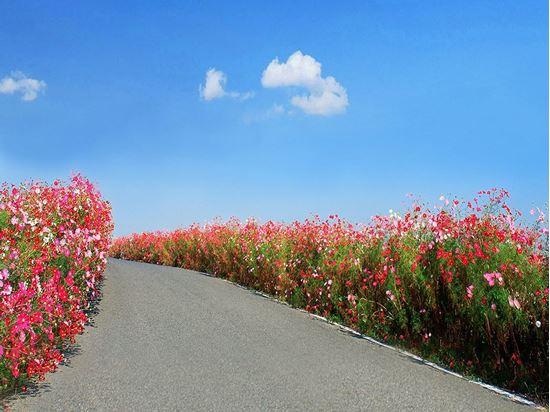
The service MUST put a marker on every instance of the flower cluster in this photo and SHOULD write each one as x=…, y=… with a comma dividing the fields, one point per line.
x=53, y=249
x=463, y=283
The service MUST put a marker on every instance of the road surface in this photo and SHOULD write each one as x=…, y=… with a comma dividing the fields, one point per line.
x=171, y=339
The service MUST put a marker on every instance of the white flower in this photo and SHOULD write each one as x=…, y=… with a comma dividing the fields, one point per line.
x=537, y=323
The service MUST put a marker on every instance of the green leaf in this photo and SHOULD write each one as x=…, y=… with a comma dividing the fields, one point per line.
x=4, y=218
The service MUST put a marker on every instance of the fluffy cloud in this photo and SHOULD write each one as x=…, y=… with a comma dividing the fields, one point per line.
x=214, y=87
x=326, y=96
x=17, y=82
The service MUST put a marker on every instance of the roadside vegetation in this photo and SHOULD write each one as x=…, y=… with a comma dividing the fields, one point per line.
x=53, y=249
x=464, y=284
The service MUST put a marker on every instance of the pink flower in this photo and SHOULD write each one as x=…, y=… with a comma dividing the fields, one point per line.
x=470, y=292
x=4, y=273
x=490, y=277
x=23, y=322
x=7, y=290
x=513, y=302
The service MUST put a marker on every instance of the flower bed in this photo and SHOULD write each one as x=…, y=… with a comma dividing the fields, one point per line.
x=53, y=247
x=464, y=284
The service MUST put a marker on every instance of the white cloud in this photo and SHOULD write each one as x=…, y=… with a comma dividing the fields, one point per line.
x=241, y=96
x=17, y=82
x=326, y=96
x=299, y=70
x=214, y=87
x=329, y=99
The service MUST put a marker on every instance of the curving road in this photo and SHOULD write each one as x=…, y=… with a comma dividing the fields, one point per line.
x=171, y=339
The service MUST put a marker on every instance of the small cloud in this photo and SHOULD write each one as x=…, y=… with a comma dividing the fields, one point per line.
x=326, y=96
x=274, y=111
x=214, y=87
x=241, y=96
x=17, y=82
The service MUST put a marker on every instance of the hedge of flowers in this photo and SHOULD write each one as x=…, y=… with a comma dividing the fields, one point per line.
x=54, y=241
x=462, y=283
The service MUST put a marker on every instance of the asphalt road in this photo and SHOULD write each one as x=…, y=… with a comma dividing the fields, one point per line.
x=171, y=339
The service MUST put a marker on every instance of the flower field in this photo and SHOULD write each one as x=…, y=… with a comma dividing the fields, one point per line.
x=463, y=283
x=53, y=247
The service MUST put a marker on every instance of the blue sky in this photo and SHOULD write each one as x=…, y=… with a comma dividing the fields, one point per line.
x=442, y=98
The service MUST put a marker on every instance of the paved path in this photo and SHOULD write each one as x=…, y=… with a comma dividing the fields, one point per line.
x=171, y=339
